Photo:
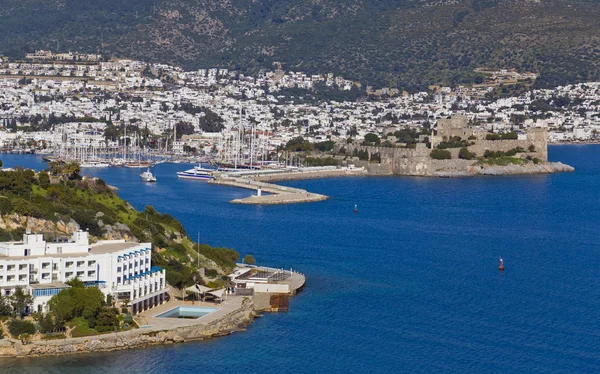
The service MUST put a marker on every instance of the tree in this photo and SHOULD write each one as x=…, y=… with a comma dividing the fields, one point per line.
x=372, y=139
x=248, y=259
x=77, y=301
x=20, y=300
x=5, y=307
x=44, y=179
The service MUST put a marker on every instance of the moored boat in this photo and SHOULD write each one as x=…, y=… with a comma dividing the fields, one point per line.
x=198, y=172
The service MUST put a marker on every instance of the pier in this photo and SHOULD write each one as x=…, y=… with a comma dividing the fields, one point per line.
x=276, y=194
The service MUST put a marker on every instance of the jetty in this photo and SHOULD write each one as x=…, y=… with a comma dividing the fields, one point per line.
x=272, y=194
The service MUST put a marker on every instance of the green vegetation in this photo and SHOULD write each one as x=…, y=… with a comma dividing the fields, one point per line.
x=82, y=308
x=453, y=142
x=440, y=154
x=504, y=161
x=506, y=158
x=298, y=144
x=95, y=207
x=465, y=154
x=393, y=43
x=362, y=155
x=371, y=139
x=325, y=146
x=248, y=259
x=321, y=161
x=17, y=327
x=504, y=136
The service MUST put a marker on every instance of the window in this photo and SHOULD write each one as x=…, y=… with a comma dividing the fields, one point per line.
x=22, y=267
x=118, y=280
x=80, y=264
x=1, y=267
x=69, y=264
x=22, y=277
x=55, y=266
x=11, y=268
x=119, y=269
x=80, y=274
x=91, y=263
x=68, y=274
x=1, y=278
x=45, y=292
x=92, y=273
x=45, y=266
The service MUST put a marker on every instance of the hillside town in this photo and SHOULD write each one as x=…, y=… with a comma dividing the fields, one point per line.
x=81, y=99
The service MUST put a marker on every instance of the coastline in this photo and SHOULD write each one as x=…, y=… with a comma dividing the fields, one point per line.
x=234, y=314
x=277, y=194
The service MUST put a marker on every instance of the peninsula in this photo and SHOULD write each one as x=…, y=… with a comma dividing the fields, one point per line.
x=81, y=270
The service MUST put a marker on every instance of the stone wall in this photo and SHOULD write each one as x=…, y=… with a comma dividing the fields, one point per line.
x=133, y=339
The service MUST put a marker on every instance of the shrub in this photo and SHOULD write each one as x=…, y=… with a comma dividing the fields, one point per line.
x=440, y=154
x=17, y=327
x=505, y=136
x=532, y=148
x=44, y=179
x=465, y=154
x=248, y=259
x=5, y=205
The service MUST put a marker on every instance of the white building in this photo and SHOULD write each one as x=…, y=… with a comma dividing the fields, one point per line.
x=116, y=267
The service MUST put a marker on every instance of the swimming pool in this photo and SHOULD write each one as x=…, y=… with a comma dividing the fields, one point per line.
x=187, y=312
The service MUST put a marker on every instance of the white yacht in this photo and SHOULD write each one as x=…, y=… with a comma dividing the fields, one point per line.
x=94, y=164
x=198, y=172
x=147, y=176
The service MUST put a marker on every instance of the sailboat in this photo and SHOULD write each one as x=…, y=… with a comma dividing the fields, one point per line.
x=355, y=208
x=147, y=176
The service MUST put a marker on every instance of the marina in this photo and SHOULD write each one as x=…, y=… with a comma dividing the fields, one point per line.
x=385, y=277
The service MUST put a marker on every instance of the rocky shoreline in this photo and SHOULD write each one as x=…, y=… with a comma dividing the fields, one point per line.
x=236, y=320
x=496, y=170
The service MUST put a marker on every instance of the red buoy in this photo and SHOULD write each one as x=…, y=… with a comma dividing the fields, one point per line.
x=501, y=266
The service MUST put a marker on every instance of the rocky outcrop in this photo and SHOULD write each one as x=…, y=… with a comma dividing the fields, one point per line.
x=233, y=321
x=11, y=222
x=528, y=168
x=15, y=221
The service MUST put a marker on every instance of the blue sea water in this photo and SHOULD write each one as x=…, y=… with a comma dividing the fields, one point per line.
x=409, y=284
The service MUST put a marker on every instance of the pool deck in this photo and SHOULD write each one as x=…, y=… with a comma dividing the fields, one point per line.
x=153, y=323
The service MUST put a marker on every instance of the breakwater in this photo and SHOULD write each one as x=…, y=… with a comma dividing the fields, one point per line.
x=277, y=194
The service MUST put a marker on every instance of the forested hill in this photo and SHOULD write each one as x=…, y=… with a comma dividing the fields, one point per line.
x=397, y=43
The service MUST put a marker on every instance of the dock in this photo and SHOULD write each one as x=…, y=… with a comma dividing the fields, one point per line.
x=276, y=194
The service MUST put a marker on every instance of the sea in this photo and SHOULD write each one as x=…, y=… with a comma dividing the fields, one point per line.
x=409, y=284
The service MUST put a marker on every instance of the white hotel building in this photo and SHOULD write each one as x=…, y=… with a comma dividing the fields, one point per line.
x=116, y=267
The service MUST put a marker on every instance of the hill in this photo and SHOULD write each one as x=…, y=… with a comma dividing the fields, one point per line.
x=31, y=201
x=397, y=43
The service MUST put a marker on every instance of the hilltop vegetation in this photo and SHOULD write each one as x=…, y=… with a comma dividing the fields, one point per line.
x=396, y=43
x=95, y=207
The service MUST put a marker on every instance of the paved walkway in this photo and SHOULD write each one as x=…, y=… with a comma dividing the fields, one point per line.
x=153, y=323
